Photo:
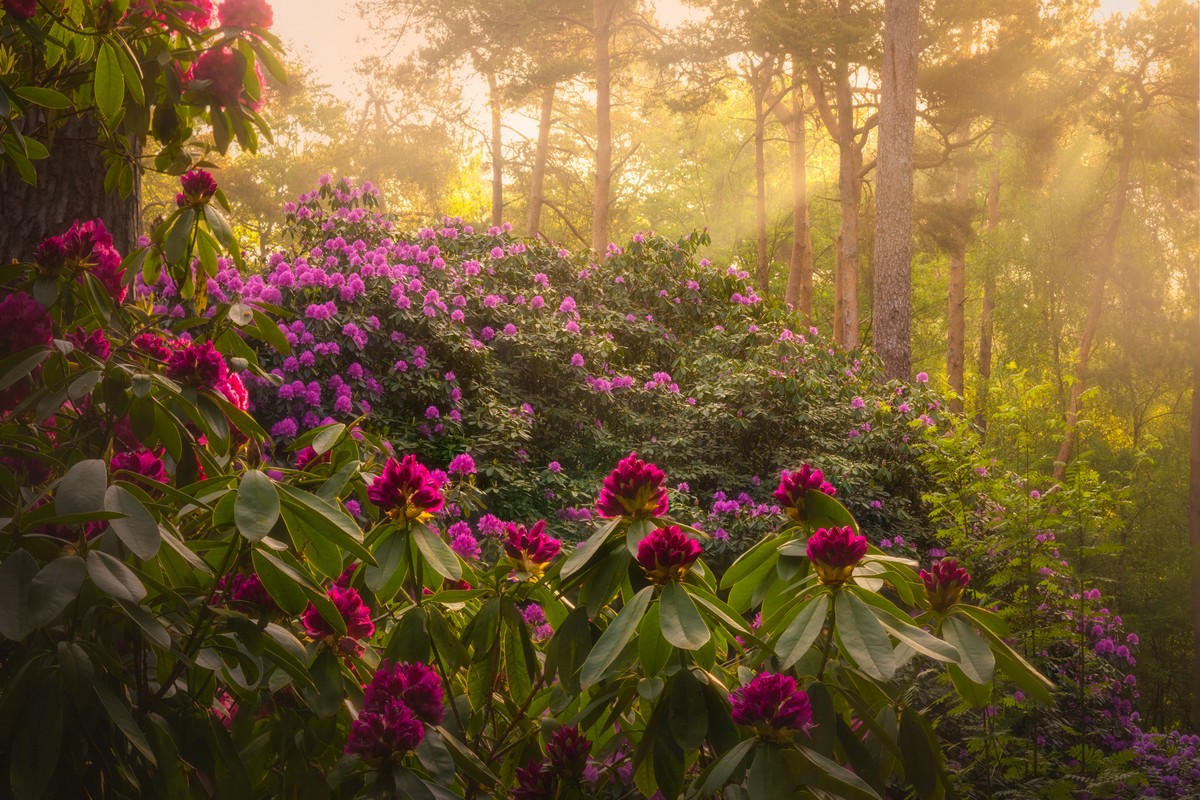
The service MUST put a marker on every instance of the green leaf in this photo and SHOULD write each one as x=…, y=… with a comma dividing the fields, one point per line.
x=385, y=579
x=587, y=550
x=863, y=639
x=16, y=578
x=45, y=97
x=109, y=86
x=977, y=661
x=680, y=622
x=180, y=236
x=137, y=529
x=327, y=438
x=722, y=770
x=82, y=488
x=919, y=753
x=615, y=637
x=311, y=547
x=437, y=553
x=131, y=74
x=470, y=764
x=35, y=751
x=267, y=329
x=328, y=694
x=119, y=713
x=53, y=589
x=435, y=757
x=150, y=625
x=282, y=588
x=802, y=631
x=653, y=650
x=329, y=519
x=920, y=640
x=849, y=785
x=568, y=648
x=256, y=509
x=769, y=777
x=687, y=712
x=751, y=561
x=826, y=512
x=17, y=366
x=220, y=228
x=113, y=577
x=517, y=668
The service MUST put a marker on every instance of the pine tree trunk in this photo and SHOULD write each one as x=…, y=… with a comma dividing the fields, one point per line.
x=1104, y=263
x=987, y=316
x=758, y=80
x=956, y=319
x=799, y=292
x=845, y=304
x=1194, y=523
x=892, y=285
x=602, y=18
x=537, y=190
x=70, y=187
x=497, y=151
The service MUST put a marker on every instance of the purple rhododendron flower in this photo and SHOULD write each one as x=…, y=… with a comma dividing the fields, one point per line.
x=380, y=735
x=197, y=365
x=944, y=583
x=568, y=751
x=462, y=464
x=773, y=706
x=666, y=554
x=406, y=490
x=834, y=552
x=354, y=613
x=530, y=550
x=140, y=462
x=633, y=489
x=414, y=684
x=794, y=486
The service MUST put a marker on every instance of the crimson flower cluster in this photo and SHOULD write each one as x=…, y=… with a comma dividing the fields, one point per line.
x=354, y=613
x=773, y=706
x=567, y=753
x=666, y=554
x=21, y=9
x=944, y=583
x=397, y=704
x=198, y=188
x=248, y=588
x=221, y=73
x=85, y=247
x=835, y=552
x=246, y=14
x=143, y=462
x=633, y=489
x=23, y=324
x=197, y=364
x=406, y=491
x=794, y=486
x=530, y=550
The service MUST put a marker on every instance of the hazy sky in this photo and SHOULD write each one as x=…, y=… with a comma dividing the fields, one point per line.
x=333, y=35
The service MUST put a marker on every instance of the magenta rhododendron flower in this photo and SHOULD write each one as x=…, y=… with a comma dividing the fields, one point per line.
x=773, y=706
x=944, y=583
x=534, y=782
x=152, y=345
x=633, y=489
x=248, y=588
x=198, y=365
x=198, y=188
x=21, y=9
x=530, y=550
x=235, y=392
x=85, y=247
x=406, y=490
x=414, y=684
x=793, y=486
x=834, y=552
x=23, y=323
x=378, y=736
x=223, y=73
x=666, y=554
x=140, y=462
x=309, y=456
x=246, y=13
x=568, y=751
x=354, y=612
x=94, y=344
x=462, y=464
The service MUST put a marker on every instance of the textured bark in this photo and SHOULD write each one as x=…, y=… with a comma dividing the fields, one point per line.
x=537, y=190
x=1104, y=262
x=759, y=77
x=799, y=292
x=70, y=187
x=497, y=151
x=956, y=328
x=1194, y=523
x=845, y=303
x=602, y=19
x=892, y=295
x=987, y=316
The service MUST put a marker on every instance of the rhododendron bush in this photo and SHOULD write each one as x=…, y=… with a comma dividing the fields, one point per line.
x=254, y=554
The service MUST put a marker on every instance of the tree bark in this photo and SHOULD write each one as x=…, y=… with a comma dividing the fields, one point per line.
x=986, y=320
x=602, y=21
x=537, y=190
x=1104, y=262
x=759, y=77
x=956, y=327
x=892, y=295
x=799, y=291
x=497, y=151
x=845, y=303
x=1194, y=519
x=70, y=187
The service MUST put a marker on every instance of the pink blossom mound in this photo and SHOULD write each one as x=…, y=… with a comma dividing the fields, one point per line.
x=94, y=344
x=773, y=706
x=667, y=554
x=221, y=69
x=793, y=486
x=633, y=489
x=406, y=490
x=397, y=703
x=945, y=583
x=415, y=684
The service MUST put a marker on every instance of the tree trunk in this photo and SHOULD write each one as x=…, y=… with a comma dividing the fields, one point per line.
x=1104, y=263
x=845, y=304
x=1194, y=523
x=758, y=83
x=799, y=292
x=602, y=18
x=892, y=295
x=986, y=321
x=537, y=190
x=497, y=151
x=70, y=187
x=956, y=327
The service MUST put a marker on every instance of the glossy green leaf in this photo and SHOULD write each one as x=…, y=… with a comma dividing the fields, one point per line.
x=723, y=769
x=256, y=509
x=82, y=488
x=802, y=631
x=44, y=96
x=977, y=661
x=587, y=550
x=329, y=519
x=109, y=85
x=119, y=713
x=35, y=751
x=16, y=577
x=54, y=587
x=437, y=553
x=618, y=634
x=680, y=622
x=750, y=562
x=653, y=650
x=282, y=588
x=137, y=529
x=113, y=577
x=920, y=754
x=920, y=640
x=862, y=639
x=769, y=777
x=15, y=367
x=847, y=785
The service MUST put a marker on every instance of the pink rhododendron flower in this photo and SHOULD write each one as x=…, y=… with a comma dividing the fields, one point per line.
x=94, y=344
x=773, y=706
x=406, y=490
x=222, y=70
x=23, y=323
x=568, y=751
x=414, y=684
x=197, y=365
x=140, y=462
x=198, y=188
x=462, y=464
x=85, y=247
x=235, y=392
x=530, y=550
x=246, y=14
x=354, y=613
x=21, y=9
x=835, y=552
x=633, y=489
x=944, y=583
x=793, y=486
x=666, y=554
